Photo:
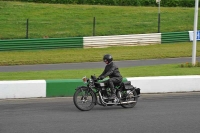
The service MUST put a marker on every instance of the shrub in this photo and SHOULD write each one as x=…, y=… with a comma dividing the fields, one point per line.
x=189, y=65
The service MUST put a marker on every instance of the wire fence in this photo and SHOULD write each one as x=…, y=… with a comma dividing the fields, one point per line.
x=33, y=28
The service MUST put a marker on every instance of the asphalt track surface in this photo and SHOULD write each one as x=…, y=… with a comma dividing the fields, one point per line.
x=154, y=113
x=90, y=65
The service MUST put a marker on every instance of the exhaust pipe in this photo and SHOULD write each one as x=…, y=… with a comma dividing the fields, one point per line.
x=128, y=102
x=121, y=103
x=135, y=96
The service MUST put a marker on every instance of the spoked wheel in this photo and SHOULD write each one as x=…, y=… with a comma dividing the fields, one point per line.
x=131, y=98
x=83, y=99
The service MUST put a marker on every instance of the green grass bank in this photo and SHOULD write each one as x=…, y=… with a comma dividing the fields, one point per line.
x=65, y=20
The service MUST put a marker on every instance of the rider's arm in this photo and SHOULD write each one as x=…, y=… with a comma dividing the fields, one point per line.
x=103, y=73
x=110, y=71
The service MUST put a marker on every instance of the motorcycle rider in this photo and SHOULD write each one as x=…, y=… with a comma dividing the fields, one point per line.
x=112, y=71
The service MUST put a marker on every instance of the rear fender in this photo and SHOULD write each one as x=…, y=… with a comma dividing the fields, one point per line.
x=137, y=91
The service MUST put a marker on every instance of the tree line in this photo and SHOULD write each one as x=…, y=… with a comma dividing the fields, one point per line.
x=164, y=3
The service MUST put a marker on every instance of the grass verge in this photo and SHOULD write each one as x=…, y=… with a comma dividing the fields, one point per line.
x=141, y=71
x=94, y=55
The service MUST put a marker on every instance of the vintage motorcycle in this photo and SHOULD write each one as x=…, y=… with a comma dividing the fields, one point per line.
x=86, y=97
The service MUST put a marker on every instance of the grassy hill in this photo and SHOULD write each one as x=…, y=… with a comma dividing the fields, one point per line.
x=64, y=20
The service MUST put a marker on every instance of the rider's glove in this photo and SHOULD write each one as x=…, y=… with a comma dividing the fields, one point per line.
x=100, y=77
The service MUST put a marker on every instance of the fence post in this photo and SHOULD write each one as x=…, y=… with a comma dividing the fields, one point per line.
x=94, y=26
x=27, y=29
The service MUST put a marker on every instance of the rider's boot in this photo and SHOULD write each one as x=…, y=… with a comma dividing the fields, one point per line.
x=113, y=95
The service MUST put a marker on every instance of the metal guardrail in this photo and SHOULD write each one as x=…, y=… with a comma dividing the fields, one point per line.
x=38, y=44
x=171, y=37
x=94, y=41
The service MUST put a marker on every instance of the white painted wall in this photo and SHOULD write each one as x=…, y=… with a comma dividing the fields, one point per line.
x=22, y=89
x=166, y=83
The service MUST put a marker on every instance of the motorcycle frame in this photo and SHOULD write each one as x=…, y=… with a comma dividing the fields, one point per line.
x=90, y=86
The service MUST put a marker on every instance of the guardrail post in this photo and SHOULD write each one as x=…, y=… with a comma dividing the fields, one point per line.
x=94, y=21
x=27, y=29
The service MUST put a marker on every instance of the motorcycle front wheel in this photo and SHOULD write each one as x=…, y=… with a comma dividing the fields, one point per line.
x=84, y=99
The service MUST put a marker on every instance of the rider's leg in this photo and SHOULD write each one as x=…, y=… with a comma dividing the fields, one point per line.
x=111, y=82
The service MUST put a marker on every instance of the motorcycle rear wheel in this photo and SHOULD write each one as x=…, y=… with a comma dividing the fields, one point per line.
x=83, y=99
x=132, y=97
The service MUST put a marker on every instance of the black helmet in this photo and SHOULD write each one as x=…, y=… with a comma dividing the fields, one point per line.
x=108, y=58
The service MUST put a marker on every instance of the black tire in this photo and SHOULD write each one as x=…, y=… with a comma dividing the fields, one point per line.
x=133, y=97
x=83, y=99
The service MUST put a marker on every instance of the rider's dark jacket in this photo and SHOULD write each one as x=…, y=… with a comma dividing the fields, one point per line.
x=111, y=70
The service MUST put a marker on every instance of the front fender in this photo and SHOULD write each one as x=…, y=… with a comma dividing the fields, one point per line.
x=81, y=87
x=91, y=91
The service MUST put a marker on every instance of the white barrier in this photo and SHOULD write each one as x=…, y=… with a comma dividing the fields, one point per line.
x=121, y=40
x=22, y=89
x=158, y=84
x=166, y=83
